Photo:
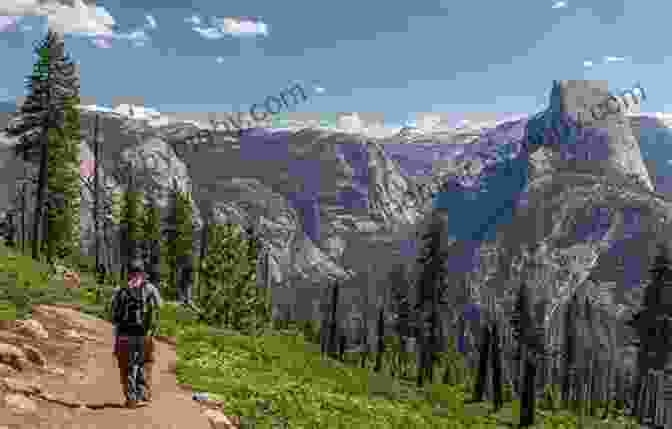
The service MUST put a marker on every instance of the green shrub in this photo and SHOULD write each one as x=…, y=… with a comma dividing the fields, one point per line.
x=24, y=283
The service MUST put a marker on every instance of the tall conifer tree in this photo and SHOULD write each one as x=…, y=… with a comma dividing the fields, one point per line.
x=53, y=90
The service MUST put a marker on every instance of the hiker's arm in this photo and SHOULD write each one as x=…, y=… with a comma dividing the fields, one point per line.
x=156, y=314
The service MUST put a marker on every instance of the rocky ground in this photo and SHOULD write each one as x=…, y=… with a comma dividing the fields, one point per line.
x=57, y=370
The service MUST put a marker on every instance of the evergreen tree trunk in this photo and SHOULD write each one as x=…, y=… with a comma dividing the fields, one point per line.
x=528, y=393
x=203, y=254
x=420, y=350
x=496, y=359
x=570, y=352
x=365, y=344
x=24, y=207
x=96, y=191
x=331, y=347
x=341, y=347
x=47, y=245
x=484, y=360
x=41, y=196
x=381, y=341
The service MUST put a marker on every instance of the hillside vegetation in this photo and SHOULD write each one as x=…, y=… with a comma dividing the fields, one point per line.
x=278, y=377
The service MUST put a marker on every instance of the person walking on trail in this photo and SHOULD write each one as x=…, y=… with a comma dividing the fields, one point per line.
x=135, y=315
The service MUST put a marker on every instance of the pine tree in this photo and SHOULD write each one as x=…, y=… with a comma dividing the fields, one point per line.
x=570, y=349
x=527, y=337
x=484, y=360
x=431, y=278
x=651, y=321
x=151, y=228
x=53, y=84
x=179, y=246
x=131, y=219
x=63, y=185
x=381, y=343
x=496, y=364
x=229, y=295
x=333, y=321
x=402, y=309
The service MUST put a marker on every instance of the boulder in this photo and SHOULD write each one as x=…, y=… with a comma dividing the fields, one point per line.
x=34, y=355
x=12, y=356
x=32, y=328
x=219, y=421
x=20, y=404
x=71, y=280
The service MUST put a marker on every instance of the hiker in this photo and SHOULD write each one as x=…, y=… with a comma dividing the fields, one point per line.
x=135, y=315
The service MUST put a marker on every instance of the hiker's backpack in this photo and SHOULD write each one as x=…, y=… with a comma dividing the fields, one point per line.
x=130, y=310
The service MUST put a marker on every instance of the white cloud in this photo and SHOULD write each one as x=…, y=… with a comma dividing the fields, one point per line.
x=138, y=35
x=669, y=161
x=241, y=27
x=193, y=19
x=8, y=23
x=614, y=59
x=319, y=90
x=81, y=18
x=220, y=60
x=209, y=33
x=587, y=63
x=559, y=5
x=23, y=7
x=230, y=26
x=102, y=42
x=151, y=22
x=74, y=18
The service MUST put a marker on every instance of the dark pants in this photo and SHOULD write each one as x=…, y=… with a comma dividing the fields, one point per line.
x=135, y=357
x=184, y=287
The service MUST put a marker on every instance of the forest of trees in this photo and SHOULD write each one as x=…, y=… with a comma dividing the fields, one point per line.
x=514, y=359
x=127, y=219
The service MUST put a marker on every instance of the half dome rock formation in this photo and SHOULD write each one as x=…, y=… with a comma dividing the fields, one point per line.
x=584, y=97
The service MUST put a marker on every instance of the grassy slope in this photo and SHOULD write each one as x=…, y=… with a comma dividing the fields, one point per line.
x=276, y=377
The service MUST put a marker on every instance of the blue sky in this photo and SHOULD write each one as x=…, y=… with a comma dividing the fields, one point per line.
x=394, y=59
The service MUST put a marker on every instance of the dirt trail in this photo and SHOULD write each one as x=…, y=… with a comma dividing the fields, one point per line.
x=86, y=373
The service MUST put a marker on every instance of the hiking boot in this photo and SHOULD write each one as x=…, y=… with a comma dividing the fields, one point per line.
x=135, y=404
